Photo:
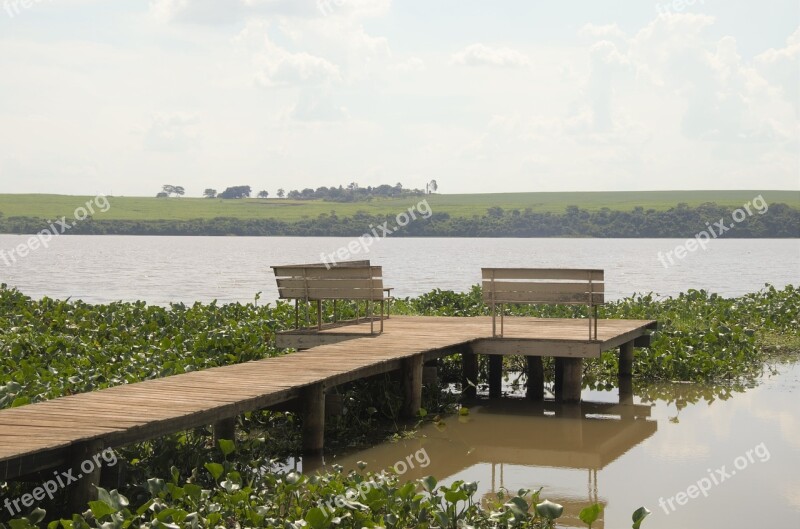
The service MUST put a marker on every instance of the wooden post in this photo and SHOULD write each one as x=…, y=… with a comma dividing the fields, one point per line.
x=334, y=405
x=412, y=386
x=627, y=410
x=535, y=389
x=626, y=359
x=469, y=381
x=430, y=374
x=573, y=378
x=81, y=492
x=224, y=429
x=558, y=381
x=313, y=419
x=495, y=376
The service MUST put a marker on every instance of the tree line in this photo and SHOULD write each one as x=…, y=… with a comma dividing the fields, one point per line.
x=352, y=193
x=781, y=221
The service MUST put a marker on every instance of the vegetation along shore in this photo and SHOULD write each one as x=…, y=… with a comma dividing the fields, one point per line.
x=52, y=348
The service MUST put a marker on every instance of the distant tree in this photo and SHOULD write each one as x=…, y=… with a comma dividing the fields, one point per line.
x=352, y=186
x=210, y=193
x=432, y=186
x=263, y=194
x=281, y=193
x=236, y=192
x=162, y=194
x=173, y=190
x=495, y=212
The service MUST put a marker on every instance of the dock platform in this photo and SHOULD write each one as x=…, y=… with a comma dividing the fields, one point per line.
x=64, y=431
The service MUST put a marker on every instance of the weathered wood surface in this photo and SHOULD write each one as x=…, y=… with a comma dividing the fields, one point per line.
x=39, y=436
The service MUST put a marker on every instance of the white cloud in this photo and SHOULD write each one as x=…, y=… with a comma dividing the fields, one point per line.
x=317, y=109
x=483, y=55
x=414, y=64
x=782, y=68
x=171, y=132
x=608, y=31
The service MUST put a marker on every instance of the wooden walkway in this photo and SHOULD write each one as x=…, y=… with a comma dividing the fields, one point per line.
x=50, y=434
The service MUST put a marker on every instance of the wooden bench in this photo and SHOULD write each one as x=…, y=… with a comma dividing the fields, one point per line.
x=344, y=281
x=543, y=286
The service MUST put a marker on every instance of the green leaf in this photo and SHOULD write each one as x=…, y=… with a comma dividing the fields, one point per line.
x=317, y=519
x=638, y=516
x=227, y=447
x=37, y=515
x=549, y=510
x=590, y=514
x=101, y=509
x=429, y=483
x=216, y=470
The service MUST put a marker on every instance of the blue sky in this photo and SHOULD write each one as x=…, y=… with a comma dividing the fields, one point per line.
x=122, y=97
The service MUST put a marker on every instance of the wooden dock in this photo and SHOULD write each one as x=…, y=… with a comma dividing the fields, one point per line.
x=64, y=431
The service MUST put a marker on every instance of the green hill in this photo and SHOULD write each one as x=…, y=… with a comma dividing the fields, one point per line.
x=465, y=205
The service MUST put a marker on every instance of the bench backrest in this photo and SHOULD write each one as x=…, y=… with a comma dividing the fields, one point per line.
x=552, y=286
x=356, y=280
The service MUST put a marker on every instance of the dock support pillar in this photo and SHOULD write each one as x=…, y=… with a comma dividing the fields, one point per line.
x=84, y=490
x=558, y=381
x=535, y=389
x=495, y=376
x=313, y=419
x=224, y=429
x=626, y=396
x=626, y=359
x=469, y=382
x=572, y=374
x=412, y=386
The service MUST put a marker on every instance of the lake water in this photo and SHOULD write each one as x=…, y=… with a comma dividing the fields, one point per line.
x=624, y=457
x=161, y=270
x=620, y=456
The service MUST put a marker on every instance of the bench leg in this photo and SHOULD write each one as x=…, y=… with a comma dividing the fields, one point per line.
x=495, y=376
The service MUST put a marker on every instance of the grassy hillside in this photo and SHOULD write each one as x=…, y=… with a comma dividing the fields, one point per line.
x=141, y=208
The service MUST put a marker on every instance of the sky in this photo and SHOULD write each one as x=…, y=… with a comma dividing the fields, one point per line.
x=485, y=96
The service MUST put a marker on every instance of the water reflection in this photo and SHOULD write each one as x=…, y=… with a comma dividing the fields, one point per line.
x=512, y=443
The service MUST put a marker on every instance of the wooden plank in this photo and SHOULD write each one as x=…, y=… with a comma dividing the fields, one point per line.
x=542, y=273
x=162, y=406
x=369, y=294
x=545, y=287
x=334, y=273
x=506, y=346
x=336, y=283
x=544, y=298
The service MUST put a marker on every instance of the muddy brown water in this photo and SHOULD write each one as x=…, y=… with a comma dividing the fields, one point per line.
x=696, y=456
